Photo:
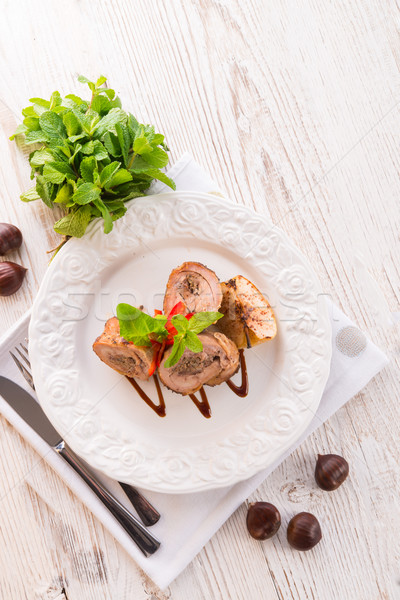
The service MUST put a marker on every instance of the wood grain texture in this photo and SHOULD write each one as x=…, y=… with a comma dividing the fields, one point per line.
x=294, y=110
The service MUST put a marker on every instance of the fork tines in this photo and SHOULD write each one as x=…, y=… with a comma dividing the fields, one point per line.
x=25, y=370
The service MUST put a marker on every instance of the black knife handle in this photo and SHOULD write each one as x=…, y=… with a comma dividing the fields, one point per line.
x=145, y=541
x=146, y=511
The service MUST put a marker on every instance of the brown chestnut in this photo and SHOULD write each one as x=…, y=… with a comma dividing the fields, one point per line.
x=304, y=531
x=330, y=471
x=10, y=238
x=11, y=277
x=263, y=520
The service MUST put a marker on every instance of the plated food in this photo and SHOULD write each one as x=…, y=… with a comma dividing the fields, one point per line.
x=198, y=340
x=95, y=409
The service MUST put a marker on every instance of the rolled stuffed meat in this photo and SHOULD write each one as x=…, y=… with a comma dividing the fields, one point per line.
x=216, y=363
x=196, y=286
x=120, y=355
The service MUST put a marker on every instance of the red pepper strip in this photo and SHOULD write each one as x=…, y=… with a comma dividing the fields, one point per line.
x=170, y=328
x=189, y=316
x=177, y=310
x=153, y=365
x=156, y=348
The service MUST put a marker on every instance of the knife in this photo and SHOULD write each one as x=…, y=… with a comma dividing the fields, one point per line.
x=33, y=415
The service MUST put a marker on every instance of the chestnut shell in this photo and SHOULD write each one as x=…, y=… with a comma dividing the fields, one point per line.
x=304, y=531
x=11, y=277
x=330, y=471
x=263, y=520
x=10, y=238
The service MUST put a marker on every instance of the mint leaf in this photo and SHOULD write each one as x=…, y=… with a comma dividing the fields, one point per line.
x=56, y=172
x=64, y=194
x=88, y=168
x=136, y=326
x=86, y=193
x=108, y=172
x=75, y=100
x=156, y=158
x=41, y=157
x=30, y=195
x=44, y=190
x=74, y=223
x=111, y=144
x=110, y=94
x=55, y=100
x=84, y=120
x=200, y=321
x=156, y=174
x=53, y=126
x=177, y=350
x=74, y=138
x=124, y=140
x=116, y=115
x=141, y=145
x=77, y=148
x=100, y=81
x=180, y=323
x=35, y=137
x=105, y=213
x=31, y=123
x=88, y=147
x=71, y=123
x=192, y=342
x=40, y=102
x=22, y=128
x=83, y=79
x=29, y=111
x=101, y=104
x=99, y=152
x=129, y=190
x=120, y=177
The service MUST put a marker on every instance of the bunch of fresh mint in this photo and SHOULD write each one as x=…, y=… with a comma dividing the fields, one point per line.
x=93, y=156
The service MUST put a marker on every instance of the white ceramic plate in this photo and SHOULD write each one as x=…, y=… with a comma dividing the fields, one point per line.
x=98, y=412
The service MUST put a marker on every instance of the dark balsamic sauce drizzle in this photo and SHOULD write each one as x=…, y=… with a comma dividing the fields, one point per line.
x=159, y=408
x=243, y=389
x=203, y=406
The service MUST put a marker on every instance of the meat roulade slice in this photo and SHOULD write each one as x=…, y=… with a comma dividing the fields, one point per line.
x=120, y=355
x=216, y=363
x=196, y=286
x=248, y=317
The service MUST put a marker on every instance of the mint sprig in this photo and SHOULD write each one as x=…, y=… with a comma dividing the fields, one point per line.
x=187, y=331
x=140, y=328
x=89, y=156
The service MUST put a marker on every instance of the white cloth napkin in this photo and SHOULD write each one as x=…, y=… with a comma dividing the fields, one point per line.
x=188, y=521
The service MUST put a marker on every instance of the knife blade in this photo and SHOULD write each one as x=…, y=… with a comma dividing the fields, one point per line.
x=31, y=412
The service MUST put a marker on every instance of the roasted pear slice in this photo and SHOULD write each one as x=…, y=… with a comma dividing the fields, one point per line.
x=248, y=317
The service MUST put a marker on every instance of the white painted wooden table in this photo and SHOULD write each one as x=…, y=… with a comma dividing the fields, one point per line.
x=293, y=107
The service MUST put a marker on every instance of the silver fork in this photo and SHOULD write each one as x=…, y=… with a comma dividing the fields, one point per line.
x=146, y=511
